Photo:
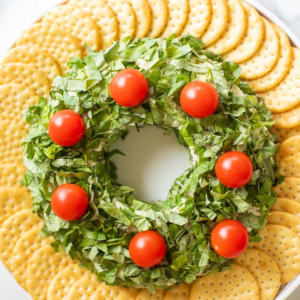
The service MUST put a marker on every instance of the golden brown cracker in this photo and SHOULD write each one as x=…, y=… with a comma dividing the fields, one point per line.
x=11, y=175
x=159, y=16
x=265, y=270
x=290, y=188
x=36, y=57
x=286, y=205
x=57, y=42
x=289, y=147
x=105, y=292
x=237, y=283
x=146, y=295
x=284, y=134
x=234, y=31
x=290, y=166
x=181, y=292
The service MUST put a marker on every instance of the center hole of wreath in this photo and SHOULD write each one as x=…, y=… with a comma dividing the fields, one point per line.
x=152, y=162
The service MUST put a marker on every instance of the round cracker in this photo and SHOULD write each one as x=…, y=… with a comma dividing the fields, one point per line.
x=36, y=57
x=146, y=295
x=286, y=95
x=125, y=16
x=143, y=17
x=218, y=22
x=287, y=119
x=290, y=166
x=253, y=37
x=62, y=283
x=103, y=16
x=284, y=134
x=84, y=288
x=13, y=200
x=285, y=219
x=234, y=31
x=199, y=17
x=11, y=138
x=289, y=147
x=237, y=283
x=42, y=268
x=288, y=206
x=22, y=252
x=27, y=75
x=114, y=293
x=281, y=69
x=11, y=175
x=52, y=39
x=14, y=100
x=181, y=292
x=73, y=20
x=159, y=17
x=177, y=17
x=290, y=188
x=265, y=58
x=13, y=229
x=264, y=269
x=283, y=245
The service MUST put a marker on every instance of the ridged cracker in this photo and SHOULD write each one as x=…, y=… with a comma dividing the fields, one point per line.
x=125, y=16
x=57, y=42
x=103, y=16
x=11, y=175
x=13, y=229
x=181, y=292
x=264, y=269
x=218, y=22
x=284, y=134
x=283, y=245
x=281, y=69
x=159, y=16
x=290, y=188
x=265, y=58
x=285, y=219
x=234, y=31
x=14, y=100
x=289, y=147
x=177, y=17
x=36, y=57
x=286, y=205
x=27, y=75
x=237, y=283
x=22, y=252
x=73, y=20
x=13, y=200
x=84, y=288
x=290, y=166
x=286, y=95
x=287, y=119
x=143, y=17
x=253, y=37
x=62, y=283
x=199, y=17
x=146, y=295
x=114, y=293
x=43, y=266
x=11, y=138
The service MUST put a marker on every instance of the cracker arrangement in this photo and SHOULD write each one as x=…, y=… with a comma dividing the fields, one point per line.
x=233, y=28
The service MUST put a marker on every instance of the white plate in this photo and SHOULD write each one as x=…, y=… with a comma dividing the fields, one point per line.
x=157, y=180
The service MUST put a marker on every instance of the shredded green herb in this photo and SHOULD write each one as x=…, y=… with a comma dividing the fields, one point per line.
x=196, y=201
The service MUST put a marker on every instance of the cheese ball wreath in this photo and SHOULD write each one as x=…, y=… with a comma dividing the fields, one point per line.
x=196, y=202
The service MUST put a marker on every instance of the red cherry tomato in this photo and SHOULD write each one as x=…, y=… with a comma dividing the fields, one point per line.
x=234, y=169
x=199, y=99
x=66, y=128
x=129, y=88
x=230, y=239
x=69, y=202
x=147, y=249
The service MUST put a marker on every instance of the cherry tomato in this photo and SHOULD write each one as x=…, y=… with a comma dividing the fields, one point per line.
x=129, y=88
x=147, y=249
x=69, y=202
x=229, y=239
x=234, y=169
x=199, y=99
x=66, y=128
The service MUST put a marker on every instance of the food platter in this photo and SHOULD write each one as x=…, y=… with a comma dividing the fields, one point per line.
x=287, y=290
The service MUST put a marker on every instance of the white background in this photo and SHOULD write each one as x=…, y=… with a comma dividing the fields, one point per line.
x=153, y=180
